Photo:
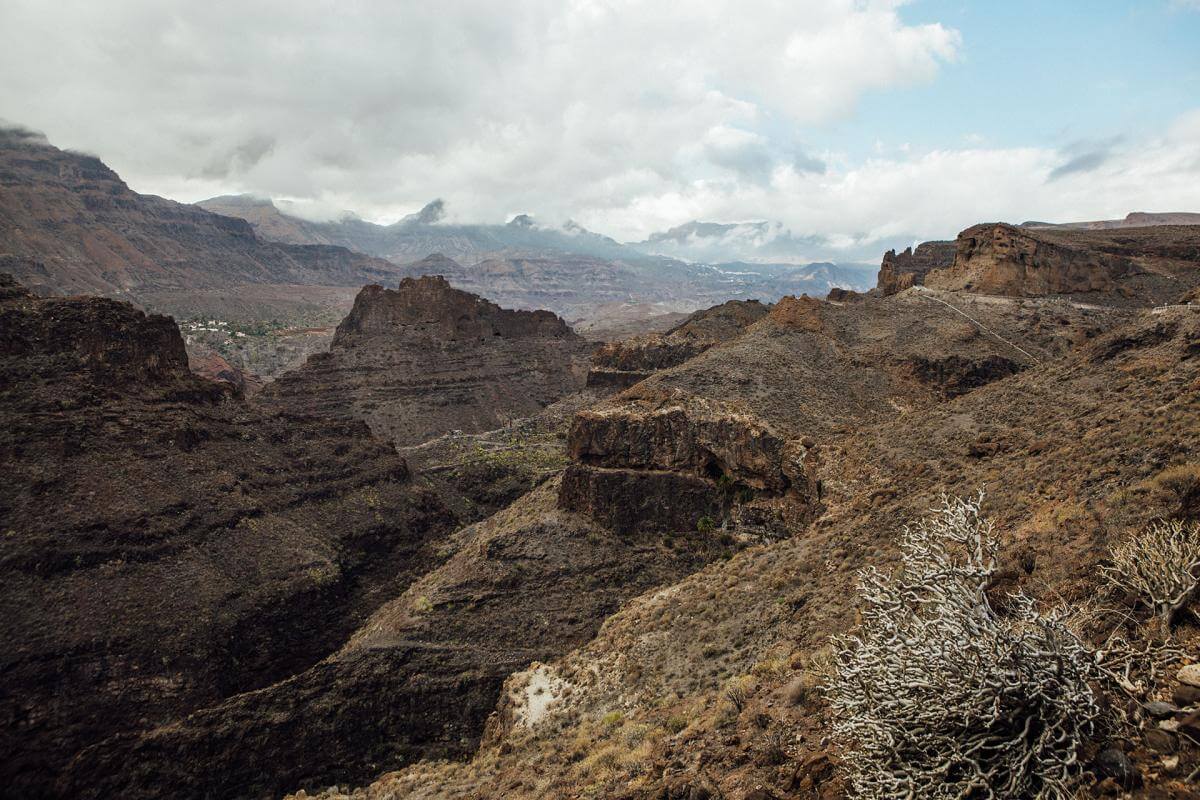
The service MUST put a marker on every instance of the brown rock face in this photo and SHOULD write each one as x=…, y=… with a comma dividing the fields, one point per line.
x=101, y=341
x=212, y=366
x=623, y=363
x=1003, y=259
x=165, y=547
x=900, y=271
x=630, y=500
x=683, y=434
x=425, y=359
x=74, y=213
x=1130, y=266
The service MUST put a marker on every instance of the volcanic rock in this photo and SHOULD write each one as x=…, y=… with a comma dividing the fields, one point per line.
x=623, y=363
x=900, y=271
x=1134, y=266
x=426, y=359
x=165, y=546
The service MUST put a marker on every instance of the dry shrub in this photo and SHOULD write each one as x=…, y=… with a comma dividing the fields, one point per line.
x=1160, y=564
x=937, y=695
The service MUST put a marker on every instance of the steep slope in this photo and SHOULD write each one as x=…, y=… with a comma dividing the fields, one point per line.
x=425, y=359
x=1074, y=453
x=419, y=678
x=166, y=546
x=625, y=362
x=80, y=229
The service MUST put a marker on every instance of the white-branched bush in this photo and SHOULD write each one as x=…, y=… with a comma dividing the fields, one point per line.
x=938, y=695
x=1161, y=564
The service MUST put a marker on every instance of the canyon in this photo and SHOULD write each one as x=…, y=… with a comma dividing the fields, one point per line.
x=454, y=548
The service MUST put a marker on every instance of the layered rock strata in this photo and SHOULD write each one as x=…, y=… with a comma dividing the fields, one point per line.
x=166, y=547
x=426, y=359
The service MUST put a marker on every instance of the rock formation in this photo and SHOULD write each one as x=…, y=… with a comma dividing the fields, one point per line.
x=212, y=366
x=1134, y=266
x=72, y=212
x=425, y=359
x=707, y=688
x=165, y=546
x=900, y=271
x=623, y=363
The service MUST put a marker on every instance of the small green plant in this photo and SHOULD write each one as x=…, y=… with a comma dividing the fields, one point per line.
x=675, y=723
x=706, y=524
x=612, y=719
x=422, y=605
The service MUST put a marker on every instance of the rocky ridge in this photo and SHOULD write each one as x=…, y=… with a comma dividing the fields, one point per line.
x=167, y=547
x=425, y=359
x=900, y=271
x=624, y=362
x=1084, y=440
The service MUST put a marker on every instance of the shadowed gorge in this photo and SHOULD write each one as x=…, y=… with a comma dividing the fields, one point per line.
x=563, y=400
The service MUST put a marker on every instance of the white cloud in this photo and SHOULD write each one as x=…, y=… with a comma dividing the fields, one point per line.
x=629, y=116
x=569, y=108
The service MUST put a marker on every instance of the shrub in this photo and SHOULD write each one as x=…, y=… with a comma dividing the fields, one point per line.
x=675, y=723
x=939, y=696
x=706, y=524
x=1161, y=565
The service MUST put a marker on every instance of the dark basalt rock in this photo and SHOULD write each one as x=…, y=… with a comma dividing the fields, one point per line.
x=164, y=546
x=426, y=359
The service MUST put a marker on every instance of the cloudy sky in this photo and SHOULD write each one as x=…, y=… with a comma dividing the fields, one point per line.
x=855, y=120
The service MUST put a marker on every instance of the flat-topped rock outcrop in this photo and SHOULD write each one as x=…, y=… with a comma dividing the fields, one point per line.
x=1125, y=266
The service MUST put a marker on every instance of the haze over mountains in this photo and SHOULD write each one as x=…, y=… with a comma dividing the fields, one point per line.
x=514, y=263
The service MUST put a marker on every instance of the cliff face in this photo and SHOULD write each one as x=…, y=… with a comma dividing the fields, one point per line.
x=1129, y=266
x=165, y=546
x=900, y=271
x=1003, y=259
x=426, y=359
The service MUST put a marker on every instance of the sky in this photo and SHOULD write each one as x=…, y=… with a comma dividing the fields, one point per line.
x=849, y=122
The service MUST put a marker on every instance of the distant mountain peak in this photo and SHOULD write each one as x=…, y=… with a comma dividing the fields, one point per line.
x=432, y=212
x=239, y=201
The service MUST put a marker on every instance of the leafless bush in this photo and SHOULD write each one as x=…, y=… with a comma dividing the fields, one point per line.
x=736, y=695
x=1161, y=565
x=938, y=696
